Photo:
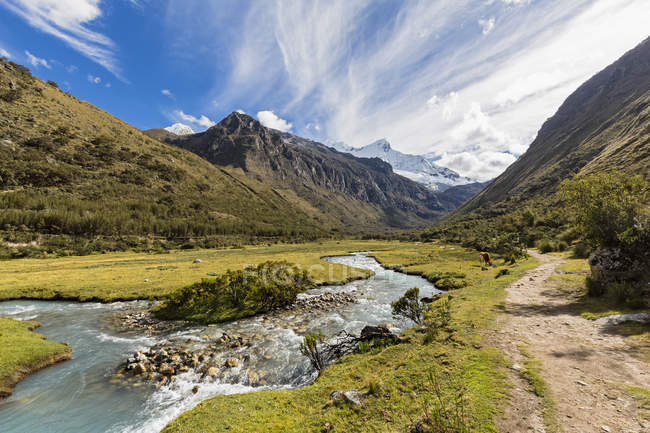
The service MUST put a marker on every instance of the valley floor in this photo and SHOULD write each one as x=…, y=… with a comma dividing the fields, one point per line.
x=568, y=373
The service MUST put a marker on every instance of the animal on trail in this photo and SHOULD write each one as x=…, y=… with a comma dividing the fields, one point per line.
x=485, y=259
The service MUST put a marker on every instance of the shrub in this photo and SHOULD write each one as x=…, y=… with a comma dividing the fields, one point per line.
x=581, y=250
x=409, y=306
x=594, y=287
x=449, y=283
x=606, y=207
x=9, y=95
x=561, y=246
x=236, y=294
x=438, y=318
x=310, y=348
x=545, y=246
x=53, y=84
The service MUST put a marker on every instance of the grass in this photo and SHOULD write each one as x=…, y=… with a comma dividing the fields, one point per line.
x=533, y=375
x=23, y=351
x=642, y=396
x=129, y=275
x=570, y=280
x=403, y=370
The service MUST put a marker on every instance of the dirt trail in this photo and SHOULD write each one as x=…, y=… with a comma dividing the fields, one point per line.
x=585, y=367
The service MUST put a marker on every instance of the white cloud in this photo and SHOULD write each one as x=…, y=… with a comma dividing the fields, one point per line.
x=37, y=61
x=167, y=93
x=93, y=79
x=422, y=75
x=4, y=53
x=70, y=21
x=270, y=120
x=486, y=25
x=71, y=69
x=201, y=122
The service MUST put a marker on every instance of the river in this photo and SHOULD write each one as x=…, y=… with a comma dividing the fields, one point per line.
x=81, y=395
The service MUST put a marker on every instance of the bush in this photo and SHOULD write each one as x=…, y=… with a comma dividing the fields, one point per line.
x=594, y=287
x=449, y=283
x=409, y=306
x=10, y=95
x=561, y=246
x=310, y=348
x=581, y=250
x=53, y=84
x=237, y=294
x=438, y=318
x=606, y=207
x=545, y=246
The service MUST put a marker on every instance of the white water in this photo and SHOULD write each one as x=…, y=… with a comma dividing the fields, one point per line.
x=78, y=396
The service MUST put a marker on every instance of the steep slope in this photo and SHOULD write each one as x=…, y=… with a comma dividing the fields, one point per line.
x=69, y=170
x=604, y=125
x=415, y=167
x=459, y=194
x=359, y=192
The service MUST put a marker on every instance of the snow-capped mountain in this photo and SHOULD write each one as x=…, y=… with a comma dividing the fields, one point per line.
x=418, y=168
x=180, y=129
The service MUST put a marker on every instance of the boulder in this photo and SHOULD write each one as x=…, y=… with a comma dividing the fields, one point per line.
x=139, y=368
x=197, y=261
x=166, y=369
x=232, y=362
x=610, y=264
x=353, y=397
x=253, y=378
x=212, y=371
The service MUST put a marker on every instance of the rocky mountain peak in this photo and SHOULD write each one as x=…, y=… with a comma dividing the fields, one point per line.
x=237, y=122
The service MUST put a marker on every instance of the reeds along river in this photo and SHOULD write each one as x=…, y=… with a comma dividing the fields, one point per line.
x=82, y=395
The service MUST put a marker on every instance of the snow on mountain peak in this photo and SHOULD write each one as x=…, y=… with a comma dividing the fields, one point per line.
x=180, y=129
x=415, y=167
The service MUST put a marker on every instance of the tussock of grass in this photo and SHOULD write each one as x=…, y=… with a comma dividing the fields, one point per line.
x=403, y=370
x=532, y=373
x=23, y=351
x=642, y=396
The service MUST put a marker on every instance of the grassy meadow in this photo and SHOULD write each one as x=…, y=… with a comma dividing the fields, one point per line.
x=125, y=276
x=399, y=381
x=23, y=351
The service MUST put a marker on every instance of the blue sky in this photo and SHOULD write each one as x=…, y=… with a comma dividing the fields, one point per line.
x=467, y=81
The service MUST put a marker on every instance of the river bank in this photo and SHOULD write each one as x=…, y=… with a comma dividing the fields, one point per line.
x=23, y=351
x=86, y=389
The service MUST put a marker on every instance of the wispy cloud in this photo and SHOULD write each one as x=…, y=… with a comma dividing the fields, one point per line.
x=167, y=93
x=198, y=123
x=37, y=61
x=70, y=21
x=424, y=74
x=271, y=120
x=4, y=53
x=93, y=79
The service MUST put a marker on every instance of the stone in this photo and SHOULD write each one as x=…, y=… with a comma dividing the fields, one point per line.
x=195, y=389
x=197, y=261
x=253, y=377
x=326, y=428
x=212, y=371
x=353, y=397
x=605, y=428
x=139, y=368
x=232, y=362
x=166, y=369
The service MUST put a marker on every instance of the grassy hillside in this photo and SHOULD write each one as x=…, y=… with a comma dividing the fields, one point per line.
x=73, y=177
x=603, y=126
x=362, y=193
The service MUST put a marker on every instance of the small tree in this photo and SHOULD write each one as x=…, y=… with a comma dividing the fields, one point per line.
x=310, y=348
x=607, y=207
x=409, y=306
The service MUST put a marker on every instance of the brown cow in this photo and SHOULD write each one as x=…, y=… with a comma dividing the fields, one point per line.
x=485, y=259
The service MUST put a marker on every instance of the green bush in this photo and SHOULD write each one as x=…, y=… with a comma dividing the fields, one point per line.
x=236, y=294
x=581, y=250
x=606, y=207
x=449, y=283
x=545, y=246
x=409, y=306
x=437, y=318
x=594, y=287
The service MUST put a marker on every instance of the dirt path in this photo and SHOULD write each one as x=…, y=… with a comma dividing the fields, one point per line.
x=584, y=366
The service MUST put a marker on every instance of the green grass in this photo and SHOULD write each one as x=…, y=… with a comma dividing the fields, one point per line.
x=129, y=275
x=23, y=351
x=570, y=280
x=402, y=371
x=642, y=396
x=533, y=375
